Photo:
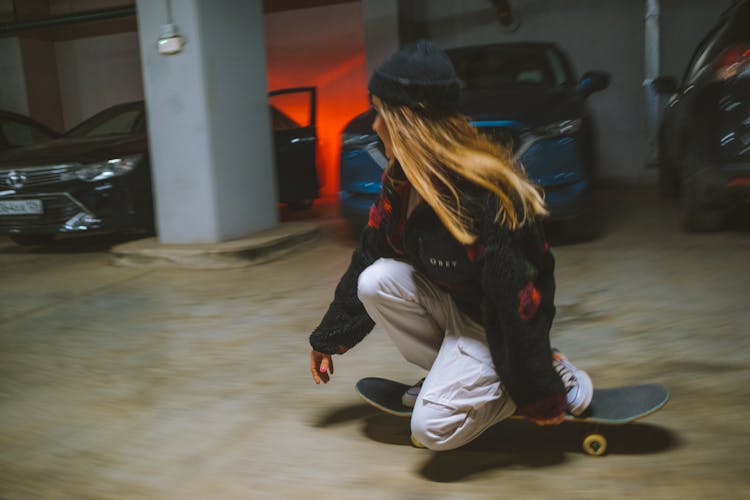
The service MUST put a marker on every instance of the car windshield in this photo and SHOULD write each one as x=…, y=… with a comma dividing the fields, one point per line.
x=120, y=120
x=509, y=67
x=15, y=133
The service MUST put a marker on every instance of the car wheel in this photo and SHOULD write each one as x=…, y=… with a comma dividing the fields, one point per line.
x=699, y=216
x=32, y=239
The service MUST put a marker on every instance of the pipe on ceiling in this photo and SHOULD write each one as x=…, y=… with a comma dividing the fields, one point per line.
x=80, y=17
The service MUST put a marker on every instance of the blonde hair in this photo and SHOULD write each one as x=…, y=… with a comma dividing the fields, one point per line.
x=430, y=149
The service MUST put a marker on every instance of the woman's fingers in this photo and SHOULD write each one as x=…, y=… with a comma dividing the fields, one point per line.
x=321, y=365
x=314, y=367
x=327, y=364
x=326, y=367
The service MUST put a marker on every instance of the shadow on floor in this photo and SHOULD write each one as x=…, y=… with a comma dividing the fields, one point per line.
x=513, y=443
x=72, y=244
x=345, y=414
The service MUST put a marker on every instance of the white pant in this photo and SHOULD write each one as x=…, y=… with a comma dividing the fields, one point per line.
x=462, y=395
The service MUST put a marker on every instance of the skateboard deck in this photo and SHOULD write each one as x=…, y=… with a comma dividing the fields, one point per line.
x=611, y=406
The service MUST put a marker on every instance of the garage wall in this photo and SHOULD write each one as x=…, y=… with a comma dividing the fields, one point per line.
x=42, y=83
x=380, y=20
x=96, y=73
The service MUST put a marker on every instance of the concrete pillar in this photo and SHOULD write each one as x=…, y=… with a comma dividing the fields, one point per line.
x=209, y=123
x=380, y=20
x=12, y=81
x=652, y=70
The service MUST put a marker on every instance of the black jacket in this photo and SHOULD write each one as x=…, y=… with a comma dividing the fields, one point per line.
x=505, y=281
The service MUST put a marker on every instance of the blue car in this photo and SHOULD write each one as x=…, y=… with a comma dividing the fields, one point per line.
x=522, y=95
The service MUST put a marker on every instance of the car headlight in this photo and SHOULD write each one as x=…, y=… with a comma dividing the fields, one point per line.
x=353, y=140
x=94, y=172
x=564, y=127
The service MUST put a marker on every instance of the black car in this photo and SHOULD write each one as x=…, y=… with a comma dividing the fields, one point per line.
x=704, y=139
x=523, y=95
x=97, y=176
x=18, y=131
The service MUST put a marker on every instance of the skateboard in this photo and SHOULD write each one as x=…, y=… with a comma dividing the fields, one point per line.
x=609, y=407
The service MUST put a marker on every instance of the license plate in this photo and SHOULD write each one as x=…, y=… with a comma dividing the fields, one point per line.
x=21, y=207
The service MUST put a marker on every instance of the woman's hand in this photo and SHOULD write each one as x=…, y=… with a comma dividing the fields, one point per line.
x=549, y=421
x=545, y=411
x=321, y=366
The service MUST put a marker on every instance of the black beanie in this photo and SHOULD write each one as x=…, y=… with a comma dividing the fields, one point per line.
x=420, y=76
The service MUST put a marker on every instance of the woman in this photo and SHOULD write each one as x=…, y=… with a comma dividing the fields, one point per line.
x=453, y=265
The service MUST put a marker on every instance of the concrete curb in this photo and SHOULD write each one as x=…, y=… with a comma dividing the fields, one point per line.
x=255, y=249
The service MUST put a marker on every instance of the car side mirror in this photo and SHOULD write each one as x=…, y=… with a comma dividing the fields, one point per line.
x=593, y=81
x=664, y=85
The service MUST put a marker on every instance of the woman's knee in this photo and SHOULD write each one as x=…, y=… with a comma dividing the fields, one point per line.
x=440, y=428
x=369, y=284
x=379, y=278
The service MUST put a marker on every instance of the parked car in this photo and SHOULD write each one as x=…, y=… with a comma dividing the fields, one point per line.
x=704, y=139
x=18, y=131
x=96, y=178
x=523, y=95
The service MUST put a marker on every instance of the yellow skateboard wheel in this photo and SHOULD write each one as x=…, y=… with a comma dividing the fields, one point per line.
x=595, y=445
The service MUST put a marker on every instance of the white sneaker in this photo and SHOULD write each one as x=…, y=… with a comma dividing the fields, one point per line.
x=577, y=382
x=409, y=398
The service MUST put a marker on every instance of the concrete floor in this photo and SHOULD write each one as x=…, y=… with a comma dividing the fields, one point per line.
x=120, y=382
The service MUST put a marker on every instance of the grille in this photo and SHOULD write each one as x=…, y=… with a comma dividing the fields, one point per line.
x=58, y=209
x=35, y=176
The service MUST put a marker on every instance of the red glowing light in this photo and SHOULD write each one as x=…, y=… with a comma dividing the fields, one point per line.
x=732, y=61
x=342, y=94
x=303, y=51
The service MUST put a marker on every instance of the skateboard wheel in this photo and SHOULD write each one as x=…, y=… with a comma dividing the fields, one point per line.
x=595, y=445
x=416, y=443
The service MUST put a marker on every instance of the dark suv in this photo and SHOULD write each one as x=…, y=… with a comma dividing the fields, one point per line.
x=704, y=139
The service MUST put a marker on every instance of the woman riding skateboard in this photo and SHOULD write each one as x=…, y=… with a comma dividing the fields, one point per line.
x=453, y=265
